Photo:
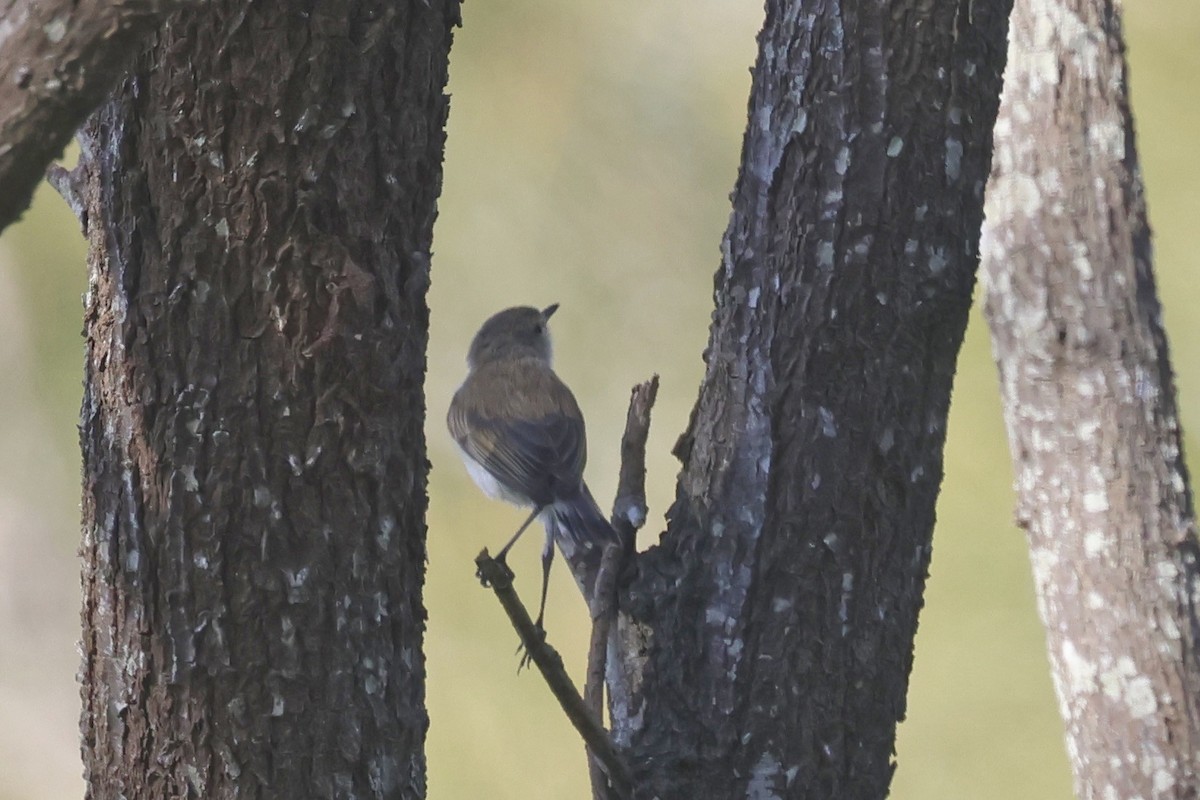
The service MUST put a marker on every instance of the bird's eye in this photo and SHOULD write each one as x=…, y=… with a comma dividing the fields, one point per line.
x=538, y=328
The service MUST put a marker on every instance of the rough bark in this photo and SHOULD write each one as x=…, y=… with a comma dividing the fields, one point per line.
x=1090, y=406
x=261, y=193
x=58, y=61
x=776, y=617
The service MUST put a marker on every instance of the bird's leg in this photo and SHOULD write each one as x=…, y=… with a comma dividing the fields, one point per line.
x=547, y=560
x=503, y=554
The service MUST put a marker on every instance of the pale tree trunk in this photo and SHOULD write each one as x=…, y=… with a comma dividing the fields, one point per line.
x=777, y=615
x=1090, y=406
x=260, y=195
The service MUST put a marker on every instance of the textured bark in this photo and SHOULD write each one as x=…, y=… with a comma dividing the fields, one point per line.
x=776, y=617
x=261, y=194
x=58, y=61
x=1090, y=406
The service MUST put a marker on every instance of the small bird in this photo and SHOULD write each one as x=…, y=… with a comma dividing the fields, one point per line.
x=521, y=433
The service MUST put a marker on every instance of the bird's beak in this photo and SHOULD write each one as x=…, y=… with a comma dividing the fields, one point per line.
x=548, y=311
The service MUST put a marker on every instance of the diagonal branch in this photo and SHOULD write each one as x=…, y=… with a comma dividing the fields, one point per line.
x=58, y=61
x=549, y=663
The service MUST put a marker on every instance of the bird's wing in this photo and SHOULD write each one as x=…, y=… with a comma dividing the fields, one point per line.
x=522, y=424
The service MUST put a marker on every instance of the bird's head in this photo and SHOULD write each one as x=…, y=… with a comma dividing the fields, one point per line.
x=519, y=332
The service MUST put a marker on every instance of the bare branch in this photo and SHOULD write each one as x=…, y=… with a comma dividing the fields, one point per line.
x=629, y=509
x=497, y=576
x=58, y=61
x=603, y=609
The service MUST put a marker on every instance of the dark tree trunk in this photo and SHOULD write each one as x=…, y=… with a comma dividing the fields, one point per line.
x=777, y=615
x=1090, y=406
x=260, y=198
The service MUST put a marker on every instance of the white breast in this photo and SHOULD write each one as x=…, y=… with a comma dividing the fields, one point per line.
x=488, y=483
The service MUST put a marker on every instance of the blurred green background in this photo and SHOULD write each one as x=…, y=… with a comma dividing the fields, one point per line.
x=592, y=148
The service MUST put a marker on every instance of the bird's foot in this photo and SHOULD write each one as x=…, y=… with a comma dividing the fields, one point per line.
x=526, y=656
x=486, y=579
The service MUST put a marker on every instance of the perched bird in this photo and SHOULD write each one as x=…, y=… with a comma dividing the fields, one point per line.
x=521, y=434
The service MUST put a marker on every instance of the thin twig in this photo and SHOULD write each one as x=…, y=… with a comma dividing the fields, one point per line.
x=626, y=640
x=499, y=577
x=629, y=509
x=603, y=609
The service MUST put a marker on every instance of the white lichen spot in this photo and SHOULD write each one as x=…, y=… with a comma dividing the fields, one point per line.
x=895, y=146
x=954, y=153
x=1110, y=683
x=1080, y=673
x=262, y=496
x=841, y=162
x=56, y=29
x=1094, y=601
x=1170, y=631
x=752, y=297
x=801, y=122
x=831, y=539
x=954, y=114
x=1086, y=430
x=764, y=777
x=916, y=475
x=190, y=484
x=1107, y=136
x=1095, y=502
x=734, y=648
x=222, y=228
x=1167, y=571
x=937, y=260
x=1139, y=696
x=781, y=604
x=815, y=481
x=886, y=440
x=828, y=425
x=387, y=523
x=1096, y=542
x=825, y=255
x=1164, y=781
x=844, y=604
x=1015, y=195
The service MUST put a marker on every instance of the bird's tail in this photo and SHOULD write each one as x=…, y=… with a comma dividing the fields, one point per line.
x=579, y=521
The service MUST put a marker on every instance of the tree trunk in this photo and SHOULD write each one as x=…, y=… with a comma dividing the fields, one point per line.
x=260, y=198
x=1090, y=406
x=777, y=615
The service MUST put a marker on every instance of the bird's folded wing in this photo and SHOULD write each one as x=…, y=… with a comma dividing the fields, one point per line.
x=530, y=435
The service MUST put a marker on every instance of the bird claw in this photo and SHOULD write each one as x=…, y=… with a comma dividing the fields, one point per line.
x=526, y=656
x=508, y=573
